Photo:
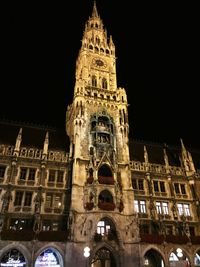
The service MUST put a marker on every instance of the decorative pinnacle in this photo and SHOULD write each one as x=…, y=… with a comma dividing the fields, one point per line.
x=94, y=12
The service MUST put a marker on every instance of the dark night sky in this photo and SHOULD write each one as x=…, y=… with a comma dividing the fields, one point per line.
x=157, y=51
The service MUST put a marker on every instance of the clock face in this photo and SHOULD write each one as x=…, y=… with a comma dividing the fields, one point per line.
x=98, y=62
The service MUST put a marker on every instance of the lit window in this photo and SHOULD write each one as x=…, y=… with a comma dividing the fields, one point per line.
x=103, y=228
x=162, y=208
x=158, y=208
x=183, y=209
x=140, y=206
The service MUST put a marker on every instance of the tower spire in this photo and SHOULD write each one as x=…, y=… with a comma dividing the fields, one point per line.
x=94, y=11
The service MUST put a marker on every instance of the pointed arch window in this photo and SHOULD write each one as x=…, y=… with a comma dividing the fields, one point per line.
x=97, y=39
x=105, y=228
x=94, y=81
x=104, y=83
x=105, y=175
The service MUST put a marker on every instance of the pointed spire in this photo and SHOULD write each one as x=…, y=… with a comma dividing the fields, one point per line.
x=166, y=160
x=184, y=151
x=182, y=145
x=111, y=40
x=184, y=156
x=46, y=145
x=192, y=168
x=146, y=158
x=94, y=11
x=18, y=142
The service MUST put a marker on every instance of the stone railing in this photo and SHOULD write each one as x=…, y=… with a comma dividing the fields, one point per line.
x=157, y=168
x=34, y=153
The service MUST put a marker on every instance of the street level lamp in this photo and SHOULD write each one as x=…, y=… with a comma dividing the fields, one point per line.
x=86, y=254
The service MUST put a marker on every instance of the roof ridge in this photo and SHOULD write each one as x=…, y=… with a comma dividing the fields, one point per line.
x=147, y=142
x=27, y=124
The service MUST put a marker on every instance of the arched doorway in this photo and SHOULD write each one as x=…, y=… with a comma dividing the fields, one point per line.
x=13, y=257
x=49, y=257
x=153, y=258
x=103, y=258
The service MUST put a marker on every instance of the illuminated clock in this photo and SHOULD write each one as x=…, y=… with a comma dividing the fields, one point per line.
x=97, y=62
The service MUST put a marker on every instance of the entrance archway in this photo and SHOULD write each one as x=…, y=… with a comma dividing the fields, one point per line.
x=103, y=258
x=153, y=258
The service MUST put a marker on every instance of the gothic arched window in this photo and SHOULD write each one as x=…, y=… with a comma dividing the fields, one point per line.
x=94, y=81
x=104, y=83
x=97, y=40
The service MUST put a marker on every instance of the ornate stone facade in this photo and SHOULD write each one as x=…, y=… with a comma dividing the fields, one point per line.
x=132, y=203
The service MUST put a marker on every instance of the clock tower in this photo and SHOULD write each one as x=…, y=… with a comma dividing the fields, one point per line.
x=98, y=128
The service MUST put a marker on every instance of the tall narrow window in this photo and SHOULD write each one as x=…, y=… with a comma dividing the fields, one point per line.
x=162, y=187
x=18, y=198
x=52, y=174
x=104, y=83
x=2, y=171
x=179, y=189
x=183, y=209
x=94, y=81
x=48, y=201
x=155, y=185
x=162, y=208
x=183, y=189
x=158, y=208
x=31, y=175
x=28, y=199
x=140, y=206
x=60, y=177
x=57, y=202
x=23, y=172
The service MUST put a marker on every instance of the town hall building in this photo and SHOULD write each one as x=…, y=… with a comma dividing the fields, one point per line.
x=90, y=195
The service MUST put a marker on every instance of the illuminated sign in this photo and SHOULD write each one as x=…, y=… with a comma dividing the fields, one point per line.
x=13, y=263
x=47, y=259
